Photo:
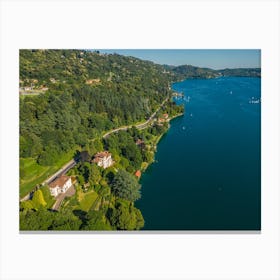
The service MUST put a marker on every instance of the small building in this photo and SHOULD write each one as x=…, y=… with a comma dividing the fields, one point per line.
x=161, y=120
x=27, y=88
x=92, y=81
x=165, y=116
x=103, y=159
x=138, y=174
x=139, y=142
x=60, y=185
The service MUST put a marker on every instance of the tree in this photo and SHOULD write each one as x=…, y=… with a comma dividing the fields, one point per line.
x=49, y=155
x=95, y=174
x=47, y=196
x=38, y=200
x=133, y=154
x=85, y=169
x=65, y=220
x=125, y=217
x=97, y=146
x=126, y=186
x=124, y=162
x=84, y=156
x=96, y=221
x=36, y=220
x=81, y=180
x=26, y=205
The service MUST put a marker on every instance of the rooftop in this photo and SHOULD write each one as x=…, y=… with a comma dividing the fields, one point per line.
x=60, y=181
x=138, y=173
x=101, y=155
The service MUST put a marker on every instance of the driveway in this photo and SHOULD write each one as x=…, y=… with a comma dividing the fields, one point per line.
x=71, y=191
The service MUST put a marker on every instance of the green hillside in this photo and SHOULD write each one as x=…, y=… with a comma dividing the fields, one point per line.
x=88, y=93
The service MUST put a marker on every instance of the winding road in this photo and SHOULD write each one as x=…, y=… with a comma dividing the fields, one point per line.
x=140, y=125
x=73, y=162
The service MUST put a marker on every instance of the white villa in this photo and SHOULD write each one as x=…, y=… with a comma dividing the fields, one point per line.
x=60, y=185
x=103, y=159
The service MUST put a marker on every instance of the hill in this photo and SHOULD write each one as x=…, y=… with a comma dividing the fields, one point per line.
x=88, y=93
x=192, y=72
x=241, y=72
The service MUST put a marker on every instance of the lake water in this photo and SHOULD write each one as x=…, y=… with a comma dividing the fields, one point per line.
x=207, y=174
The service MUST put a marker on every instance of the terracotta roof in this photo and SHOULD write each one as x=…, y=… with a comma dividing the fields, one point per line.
x=101, y=155
x=139, y=142
x=138, y=173
x=60, y=181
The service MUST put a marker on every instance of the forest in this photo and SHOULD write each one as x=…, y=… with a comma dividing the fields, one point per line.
x=82, y=95
x=72, y=111
x=68, y=100
x=183, y=72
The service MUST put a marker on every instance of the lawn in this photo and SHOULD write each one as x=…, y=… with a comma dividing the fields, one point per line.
x=87, y=200
x=35, y=174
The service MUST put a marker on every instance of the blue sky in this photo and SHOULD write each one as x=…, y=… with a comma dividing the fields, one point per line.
x=216, y=59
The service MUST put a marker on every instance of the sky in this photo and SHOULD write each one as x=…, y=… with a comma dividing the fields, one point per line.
x=215, y=59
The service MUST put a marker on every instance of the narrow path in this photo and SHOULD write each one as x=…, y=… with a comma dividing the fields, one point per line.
x=71, y=191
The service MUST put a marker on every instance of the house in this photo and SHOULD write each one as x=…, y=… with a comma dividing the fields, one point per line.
x=103, y=159
x=138, y=174
x=60, y=185
x=92, y=81
x=27, y=88
x=165, y=116
x=161, y=120
x=140, y=143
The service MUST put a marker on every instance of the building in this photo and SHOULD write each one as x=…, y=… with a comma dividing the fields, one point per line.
x=138, y=174
x=140, y=143
x=27, y=88
x=161, y=121
x=103, y=159
x=92, y=81
x=60, y=185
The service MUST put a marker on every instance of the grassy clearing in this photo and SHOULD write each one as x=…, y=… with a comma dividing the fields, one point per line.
x=34, y=174
x=88, y=200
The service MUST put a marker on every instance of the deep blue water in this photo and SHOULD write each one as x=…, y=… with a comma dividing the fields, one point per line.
x=207, y=174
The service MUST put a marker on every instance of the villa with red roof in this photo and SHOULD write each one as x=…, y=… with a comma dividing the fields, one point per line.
x=103, y=159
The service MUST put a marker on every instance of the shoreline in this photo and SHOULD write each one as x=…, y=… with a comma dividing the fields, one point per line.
x=158, y=140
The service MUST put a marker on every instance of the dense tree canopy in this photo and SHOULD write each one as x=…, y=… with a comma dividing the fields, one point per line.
x=125, y=217
x=126, y=186
x=88, y=93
